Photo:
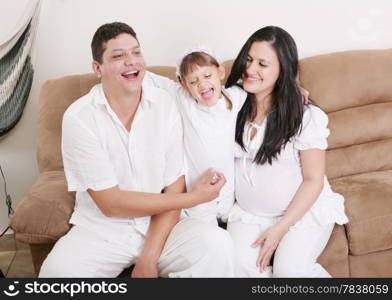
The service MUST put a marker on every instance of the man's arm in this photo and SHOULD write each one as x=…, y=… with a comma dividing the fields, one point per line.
x=160, y=228
x=114, y=202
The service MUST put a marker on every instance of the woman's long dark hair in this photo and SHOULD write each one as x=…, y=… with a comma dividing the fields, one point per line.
x=285, y=118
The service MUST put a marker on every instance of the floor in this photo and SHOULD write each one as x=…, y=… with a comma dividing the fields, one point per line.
x=15, y=258
x=16, y=262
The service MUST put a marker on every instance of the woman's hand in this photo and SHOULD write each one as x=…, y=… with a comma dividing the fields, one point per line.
x=268, y=242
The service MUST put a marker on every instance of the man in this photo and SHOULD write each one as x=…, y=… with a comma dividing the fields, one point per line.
x=122, y=146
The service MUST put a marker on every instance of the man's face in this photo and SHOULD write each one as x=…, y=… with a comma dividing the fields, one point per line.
x=123, y=66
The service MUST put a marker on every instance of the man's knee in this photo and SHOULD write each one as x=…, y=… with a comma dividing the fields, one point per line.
x=61, y=264
x=217, y=239
x=206, y=237
x=56, y=267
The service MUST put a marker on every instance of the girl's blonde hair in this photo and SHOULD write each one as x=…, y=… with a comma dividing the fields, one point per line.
x=201, y=59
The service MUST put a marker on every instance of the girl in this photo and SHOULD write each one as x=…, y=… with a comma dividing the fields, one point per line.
x=285, y=205
x=209, y=115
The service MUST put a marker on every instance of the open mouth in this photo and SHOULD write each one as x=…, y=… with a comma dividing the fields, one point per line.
x=252, y=79
x=207, y=94
x=131, y=75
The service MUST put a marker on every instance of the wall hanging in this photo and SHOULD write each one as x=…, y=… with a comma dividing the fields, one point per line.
x=18, y=28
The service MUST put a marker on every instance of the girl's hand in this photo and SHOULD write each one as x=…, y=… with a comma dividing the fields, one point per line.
x=207, y=187
x=305, y=95
x=268, y=242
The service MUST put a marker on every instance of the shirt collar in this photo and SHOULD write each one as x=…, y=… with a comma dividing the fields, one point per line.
x=219, y=107
x=148, y=94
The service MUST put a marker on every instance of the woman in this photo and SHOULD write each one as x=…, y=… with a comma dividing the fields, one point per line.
x=285, y=205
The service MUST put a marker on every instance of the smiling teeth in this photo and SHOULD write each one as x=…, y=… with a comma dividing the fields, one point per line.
x=129, y=73
x=206, y=91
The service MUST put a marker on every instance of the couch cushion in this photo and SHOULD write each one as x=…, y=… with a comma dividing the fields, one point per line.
x=338, y=81
x=374, y=120
x=356, y=159
x=354, y=88
x=334, y=258
x=42, y=216
x=368, y=201
x=375, y=264
x=169, y=72
x=55, y=97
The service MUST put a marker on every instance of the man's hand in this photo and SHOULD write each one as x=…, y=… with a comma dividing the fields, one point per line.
x=207, y=187
x=145, y=269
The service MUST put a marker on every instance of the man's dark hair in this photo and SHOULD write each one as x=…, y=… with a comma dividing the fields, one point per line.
x=105, y=33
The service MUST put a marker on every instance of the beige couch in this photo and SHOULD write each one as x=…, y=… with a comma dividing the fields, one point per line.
x=354, y=88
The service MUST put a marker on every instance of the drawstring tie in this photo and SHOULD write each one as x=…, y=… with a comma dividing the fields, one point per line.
x=248, y=172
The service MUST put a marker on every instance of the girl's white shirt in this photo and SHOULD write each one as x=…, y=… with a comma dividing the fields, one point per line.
x=209, y=143
x=267, y=190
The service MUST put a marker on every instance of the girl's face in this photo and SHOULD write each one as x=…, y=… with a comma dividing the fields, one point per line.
x=204, y=84
x=262, y=69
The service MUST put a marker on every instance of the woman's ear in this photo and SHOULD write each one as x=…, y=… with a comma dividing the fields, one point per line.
x=96, y=68
x=221, y=72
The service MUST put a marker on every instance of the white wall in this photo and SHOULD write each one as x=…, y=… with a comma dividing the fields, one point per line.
x=165, y=29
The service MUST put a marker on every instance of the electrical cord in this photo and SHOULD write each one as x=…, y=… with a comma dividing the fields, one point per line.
x=8, y=200
x=1, y=234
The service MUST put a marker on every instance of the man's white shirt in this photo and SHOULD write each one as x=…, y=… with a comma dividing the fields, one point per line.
x=99, y=153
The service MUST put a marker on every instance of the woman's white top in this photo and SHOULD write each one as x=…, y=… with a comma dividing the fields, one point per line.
x=209, y=143
x=266, y=190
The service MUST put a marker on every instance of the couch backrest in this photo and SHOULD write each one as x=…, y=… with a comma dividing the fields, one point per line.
x=55, y=97
x=353, y=87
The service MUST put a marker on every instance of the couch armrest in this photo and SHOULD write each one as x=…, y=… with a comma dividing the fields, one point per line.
x=369, y=209
x=43, y=215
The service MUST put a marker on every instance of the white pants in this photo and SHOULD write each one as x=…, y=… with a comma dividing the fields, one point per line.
x=193, y=249
x=295, y=256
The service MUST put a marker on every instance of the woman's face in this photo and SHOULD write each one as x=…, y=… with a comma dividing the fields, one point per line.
x=262, y=69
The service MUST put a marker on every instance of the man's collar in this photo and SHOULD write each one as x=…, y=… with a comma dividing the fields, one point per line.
x=147, y=93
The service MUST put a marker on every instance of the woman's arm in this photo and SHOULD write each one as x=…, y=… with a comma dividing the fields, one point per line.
x=313, y=172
